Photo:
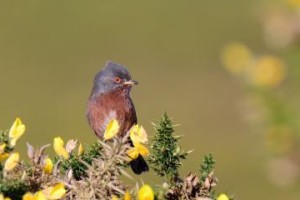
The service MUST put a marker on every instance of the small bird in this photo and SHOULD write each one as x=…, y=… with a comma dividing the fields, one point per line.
x=110, y=99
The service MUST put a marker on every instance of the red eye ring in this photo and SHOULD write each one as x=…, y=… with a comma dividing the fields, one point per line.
x=118, y=80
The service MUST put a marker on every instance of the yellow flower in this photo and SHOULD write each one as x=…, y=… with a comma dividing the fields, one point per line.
x=40, y=196
x=114, y=197
x=236, y=58
x=138, y=134
x=134, y=152
x=141, y=149
x=222, y=197
x=127, y=196
x=146, y=193
x=80, y=150
x=12, y=161
x=4, y=198
x=3, y=156
x=59, y=148
x=48, y=166
x=268, y=71
x=2, y=148
x=16, y=131
x=112, y=129
x=28, y=196
x=58, y=191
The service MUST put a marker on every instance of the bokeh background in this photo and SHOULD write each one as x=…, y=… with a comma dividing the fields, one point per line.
x=184, y=55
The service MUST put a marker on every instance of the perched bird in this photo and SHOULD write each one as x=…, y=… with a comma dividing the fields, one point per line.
x=110, y=99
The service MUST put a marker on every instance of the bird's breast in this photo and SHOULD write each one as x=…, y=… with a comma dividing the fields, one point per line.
x=106, y=107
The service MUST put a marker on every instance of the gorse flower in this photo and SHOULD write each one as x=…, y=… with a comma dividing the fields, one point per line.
x=114, y=197
x=138, y=134
x=28, y=196
x=37, y=196
x=268, y=71
x=59, y=148
x=48, y=166
x=138, y=148
x=58, y=191
x=127, y=196
x=138, y=137
x=112, y=129
x=40, y=196
x=222, y=197
x=264, y=71
x=2, y=148
x=4, y=198
x=16, y=131
x=236, y=57
x=12, y=161
x=80, y=150
x=3, y=156
x=146, y=193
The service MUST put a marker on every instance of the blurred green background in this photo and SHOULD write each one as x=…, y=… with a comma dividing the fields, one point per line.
x=51, y=50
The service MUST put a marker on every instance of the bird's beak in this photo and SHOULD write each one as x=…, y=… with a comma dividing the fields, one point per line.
x=130, y=82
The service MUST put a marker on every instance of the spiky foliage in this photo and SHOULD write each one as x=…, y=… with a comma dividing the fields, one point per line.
x=166, y=155
x=34, y=175
x=207, y=179
x=102, y=179
x=4, y=139
x=11, y=182
x=13, y=188
x=93, y=175
x=78, y=162
x=97, y=172
x=207, y=166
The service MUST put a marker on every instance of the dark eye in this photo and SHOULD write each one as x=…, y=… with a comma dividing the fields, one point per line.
x=118, y=80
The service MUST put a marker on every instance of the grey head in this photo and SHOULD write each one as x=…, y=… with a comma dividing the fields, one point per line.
x=112, y=77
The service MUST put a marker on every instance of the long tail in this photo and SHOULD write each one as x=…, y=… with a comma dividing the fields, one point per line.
x=139, y=165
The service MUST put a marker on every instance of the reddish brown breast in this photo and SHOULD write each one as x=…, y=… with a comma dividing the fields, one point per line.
x=113, y=105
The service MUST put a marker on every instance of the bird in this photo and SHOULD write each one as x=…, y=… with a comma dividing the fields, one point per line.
x=110, y=100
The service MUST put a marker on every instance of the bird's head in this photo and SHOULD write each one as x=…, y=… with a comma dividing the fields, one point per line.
x=112, y=77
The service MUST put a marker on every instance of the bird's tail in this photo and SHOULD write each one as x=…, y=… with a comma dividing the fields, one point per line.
x=139, y=165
